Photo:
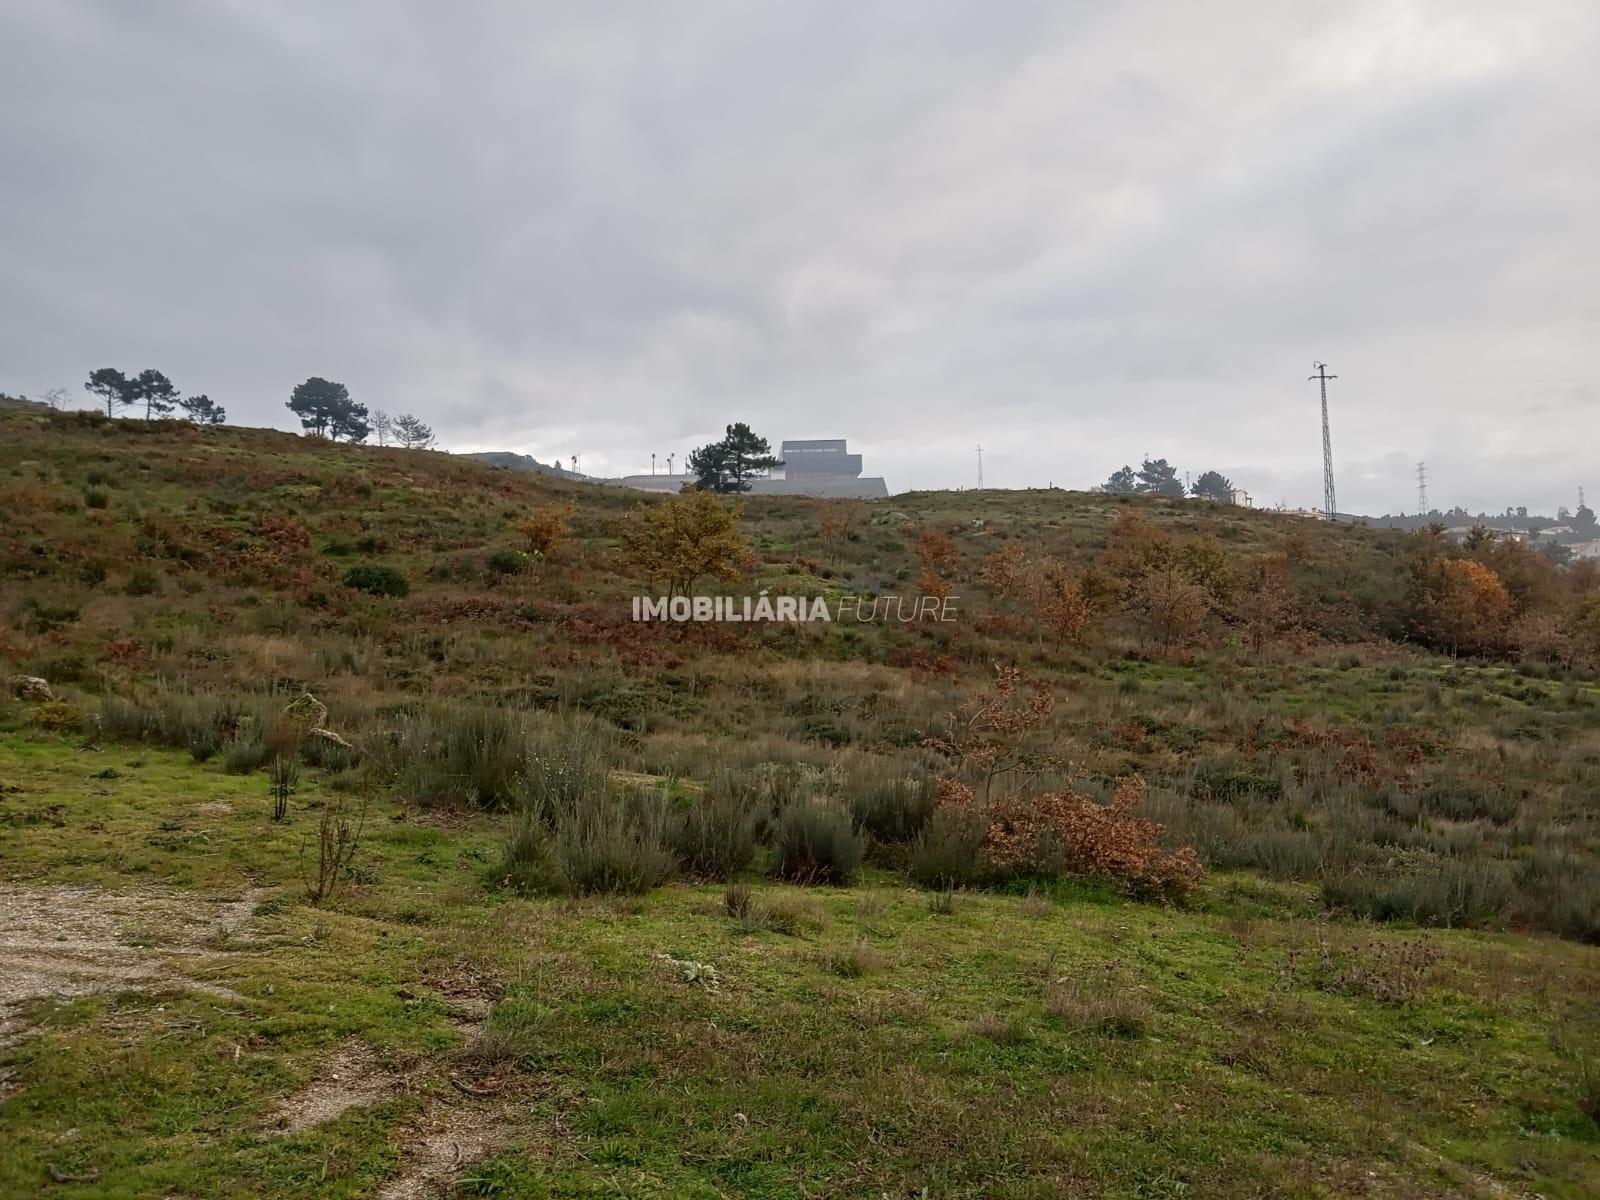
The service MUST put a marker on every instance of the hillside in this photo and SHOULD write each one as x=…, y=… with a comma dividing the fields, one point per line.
x=1177, y=863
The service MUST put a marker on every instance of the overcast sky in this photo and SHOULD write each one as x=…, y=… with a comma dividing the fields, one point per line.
x=1075, y=232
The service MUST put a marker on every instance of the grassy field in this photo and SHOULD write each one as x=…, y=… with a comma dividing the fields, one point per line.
x=524, y=981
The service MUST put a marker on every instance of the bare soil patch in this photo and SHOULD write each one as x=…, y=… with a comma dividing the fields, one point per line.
x=73, y=941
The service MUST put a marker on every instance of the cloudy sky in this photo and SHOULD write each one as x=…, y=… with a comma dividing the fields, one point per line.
x=1076, y=231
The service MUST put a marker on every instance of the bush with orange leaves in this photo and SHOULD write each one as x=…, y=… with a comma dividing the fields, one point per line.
x=545, y=528
x=1460, y=606
x=1068, y=833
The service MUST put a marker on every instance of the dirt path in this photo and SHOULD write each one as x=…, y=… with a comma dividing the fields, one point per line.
x=73, y=941
x=67, y=941
x=457, y=1124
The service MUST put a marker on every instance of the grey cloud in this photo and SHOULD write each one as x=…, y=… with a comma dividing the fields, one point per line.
x=1075, y=232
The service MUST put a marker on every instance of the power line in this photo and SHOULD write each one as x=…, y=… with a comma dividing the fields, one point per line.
x=1330, y=507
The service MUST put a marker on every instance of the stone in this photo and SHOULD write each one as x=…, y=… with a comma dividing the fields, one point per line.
x=31, y=687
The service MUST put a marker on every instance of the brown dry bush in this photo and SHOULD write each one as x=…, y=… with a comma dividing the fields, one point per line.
x=1068, y=833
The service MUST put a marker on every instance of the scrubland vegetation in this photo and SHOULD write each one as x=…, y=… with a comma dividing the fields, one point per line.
x=1202, y=843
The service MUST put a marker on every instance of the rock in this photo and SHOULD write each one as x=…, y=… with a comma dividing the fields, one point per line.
x=306, y=711
x=31, y=687
x=329, y=737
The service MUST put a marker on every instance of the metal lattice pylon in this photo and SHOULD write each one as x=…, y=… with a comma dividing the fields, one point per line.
x=1330, y=507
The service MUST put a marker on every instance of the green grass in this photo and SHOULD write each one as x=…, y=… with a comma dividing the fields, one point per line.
x=784, y=1075
x=875, y=1040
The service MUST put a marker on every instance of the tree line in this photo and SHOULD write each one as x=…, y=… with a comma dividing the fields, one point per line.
x=326, y=410
x=154, y=391
x=324, y=407
x=1158, y=477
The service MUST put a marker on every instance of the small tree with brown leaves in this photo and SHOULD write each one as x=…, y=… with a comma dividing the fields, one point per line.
x=1052, y=598
x=988, y=735
x=1069, y=833
x=1271, y=608
x=938, y=556
x=686, y=538
x=1169, y=605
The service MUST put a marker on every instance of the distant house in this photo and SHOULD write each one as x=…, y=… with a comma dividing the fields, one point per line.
x=1460, y=533
x=1241, y=497
x=821, y=467
x=1588, y=549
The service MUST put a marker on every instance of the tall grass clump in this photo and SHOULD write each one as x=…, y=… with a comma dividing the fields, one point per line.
x=948, y=853
x=1456, y=893
x=528, y=863
x=564, y=765
x=460, y=756
x=246, y=751
x=892, y=807
x=714, y=833
x=814, y=842
x=1560, y=891
x=615, y=844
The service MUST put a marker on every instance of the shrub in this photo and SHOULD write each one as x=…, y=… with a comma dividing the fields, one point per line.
x=339, y=830
x=1469, y=800
x=1560, y=891
x=1459, y=606
x=376, y=580
x=1070, y=834
x=141, y=581
x=546, y=528
x=471, y=756
x=246, y=751
x=892, y=808
x=814, y=843
x=48, y=618
x=326, y=754
x=203, y=741
x=948, y=852
x=564, y=765
x=714, y=834
x=613, y=845
x=509, y=562
x=95, y=497
x=684, y=538
x=124, y=720
x=527, y=862
x=1457, y=893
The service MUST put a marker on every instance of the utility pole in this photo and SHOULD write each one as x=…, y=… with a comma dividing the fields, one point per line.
x=1422, y=489
x=1330, y=507
x=980, y=467
x=652, y=462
